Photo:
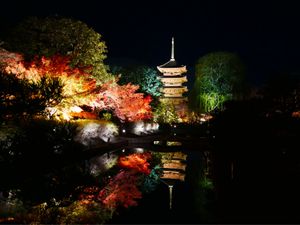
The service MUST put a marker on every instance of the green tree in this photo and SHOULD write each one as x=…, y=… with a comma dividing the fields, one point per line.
x=220, y=76
x=54, y=35
x=165, y=112
x=143, y=76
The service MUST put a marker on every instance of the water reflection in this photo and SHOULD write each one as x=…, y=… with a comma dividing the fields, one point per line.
x=183, y=195
x=120, y=186
x=173, y=168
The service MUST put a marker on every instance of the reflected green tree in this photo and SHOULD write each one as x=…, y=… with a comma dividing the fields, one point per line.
x=152, y=180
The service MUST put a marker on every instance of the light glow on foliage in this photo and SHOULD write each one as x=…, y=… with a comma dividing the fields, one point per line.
x=142, y=127
x=206, y=183
x=80, y=88
x=219, y=77
x=173, y=143
x=126, y=103
x=198, y=118
x=91, y=133
x=166, y=113
x=102, y=163
x=212, y=100
x=145, y=77
x=139, y=150
x=121, y=191
x=68, y=37
x=136, y=161
x=76, y=109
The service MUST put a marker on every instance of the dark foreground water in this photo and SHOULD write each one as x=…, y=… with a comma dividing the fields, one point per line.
x=192, y=201
x=251, y=182
x=239, y=179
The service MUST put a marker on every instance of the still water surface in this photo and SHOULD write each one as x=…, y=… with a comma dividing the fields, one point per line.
x=193, y=198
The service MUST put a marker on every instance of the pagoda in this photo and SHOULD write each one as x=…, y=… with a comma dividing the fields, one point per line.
x=172, y=79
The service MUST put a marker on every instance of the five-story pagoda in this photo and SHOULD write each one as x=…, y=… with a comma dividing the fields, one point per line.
x=172, y=78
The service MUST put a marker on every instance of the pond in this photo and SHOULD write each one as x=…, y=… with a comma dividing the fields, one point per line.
x=127, y=186
x=192, y=198
x=252, y=180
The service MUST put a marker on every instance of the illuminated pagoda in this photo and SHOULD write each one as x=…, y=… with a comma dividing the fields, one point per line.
x=172, y=79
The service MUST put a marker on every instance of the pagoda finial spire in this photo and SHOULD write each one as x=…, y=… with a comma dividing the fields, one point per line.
x=172, y=52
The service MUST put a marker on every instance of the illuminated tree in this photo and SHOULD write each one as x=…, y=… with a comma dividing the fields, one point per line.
x=165, y=113
x=80, y=89
x=86, y=210
x=137, y=162
x=79, y=213
x=76, y=85
x=121, y=191
x=91, y=133
x=220, y=76
x=124, y=101
x=143, y=76
x=54, y=35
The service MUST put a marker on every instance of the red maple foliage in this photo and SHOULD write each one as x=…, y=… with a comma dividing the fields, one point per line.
x=126, y=103
x=136, y=161
x=55, y=65
x=121, y=191
x=80, y=88
x=88, y=195
x=59, y=66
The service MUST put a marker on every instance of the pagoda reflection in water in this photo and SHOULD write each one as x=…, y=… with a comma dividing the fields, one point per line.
x=173, y=169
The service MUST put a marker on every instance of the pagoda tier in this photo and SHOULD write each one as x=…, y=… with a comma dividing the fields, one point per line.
x=172, y=71
x=173, y=91
x=173, y=81
x=177, y=101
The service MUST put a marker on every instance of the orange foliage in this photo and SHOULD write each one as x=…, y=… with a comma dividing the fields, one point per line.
x=121, y=191
x=76, y=81
x=89, y=195
x=136, y=161
x=296, y=114
x=80, y=88
x=84, y=115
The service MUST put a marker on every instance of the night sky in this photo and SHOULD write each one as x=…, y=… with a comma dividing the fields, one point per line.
x=265, y=34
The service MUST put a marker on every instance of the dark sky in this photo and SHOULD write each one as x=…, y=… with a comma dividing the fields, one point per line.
x=265, y=34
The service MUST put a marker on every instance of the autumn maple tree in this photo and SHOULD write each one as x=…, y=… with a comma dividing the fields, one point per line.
x=49, y=36
x=137, y=162
x=124, y=101
x=23, y=97
x=122, y=191
x=79, y=88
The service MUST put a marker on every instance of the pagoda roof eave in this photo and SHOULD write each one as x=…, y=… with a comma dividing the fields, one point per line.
x=172, y=63
x=181, y=69
x=172, y=70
